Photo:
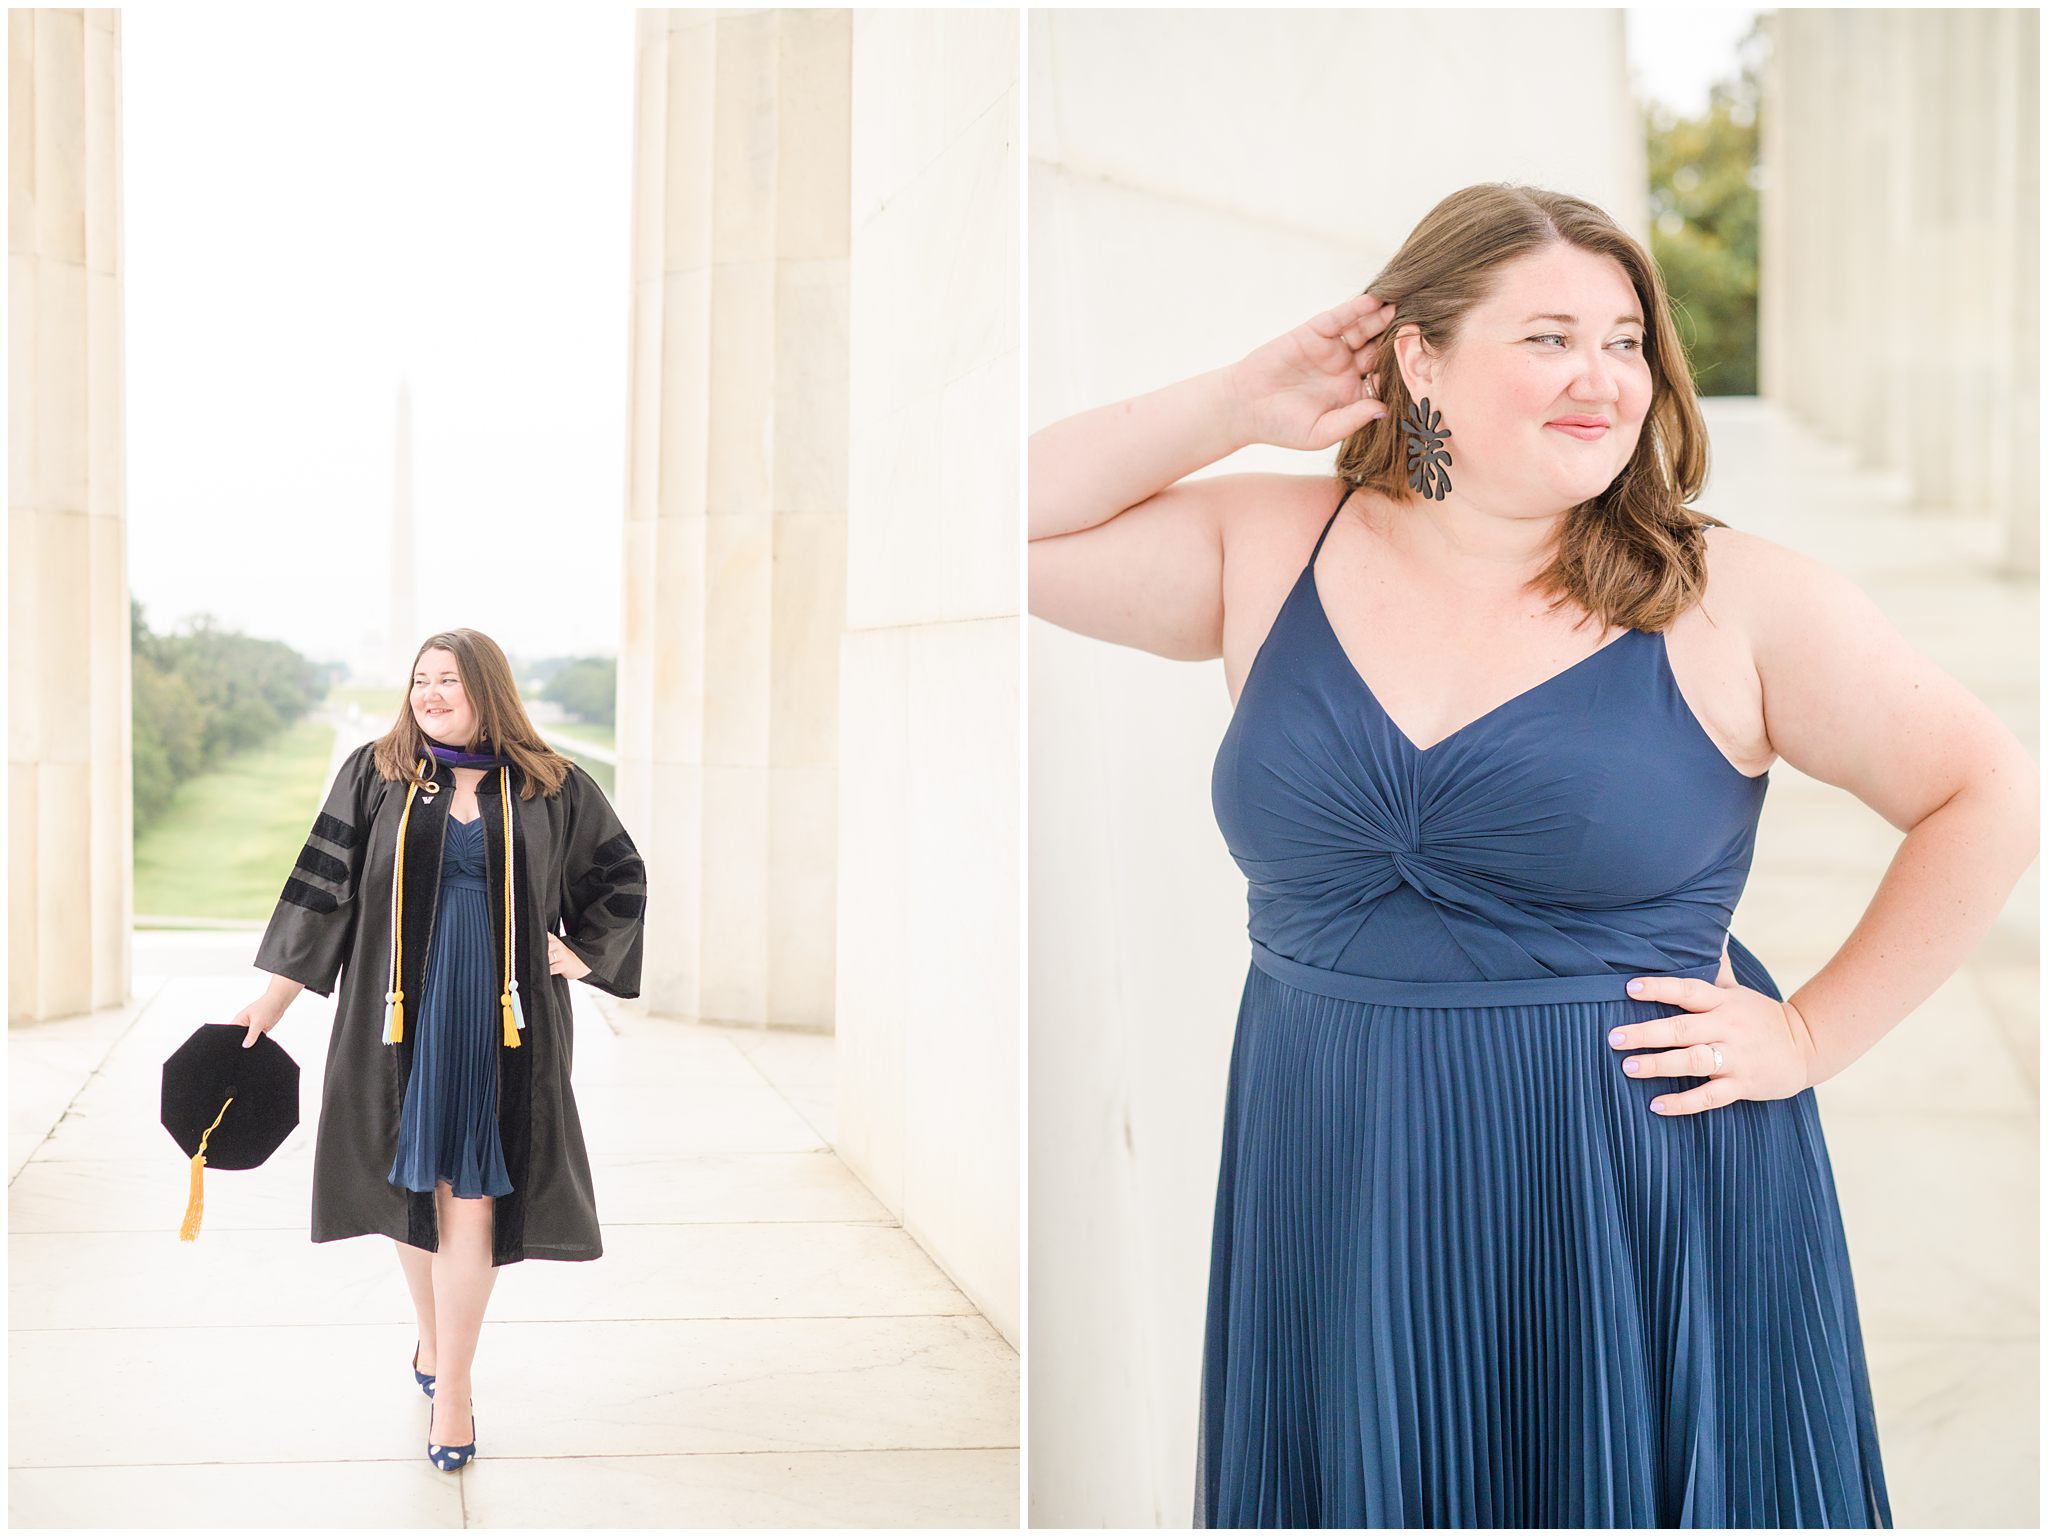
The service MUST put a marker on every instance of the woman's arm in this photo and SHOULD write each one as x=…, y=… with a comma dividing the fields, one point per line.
x=604, y=890
x=1088, y=468
x=310, y=930
x=1848, y=701
x=1122, y=547
x=307, y=939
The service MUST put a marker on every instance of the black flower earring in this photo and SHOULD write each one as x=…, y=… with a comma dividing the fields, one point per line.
x=1429, y=461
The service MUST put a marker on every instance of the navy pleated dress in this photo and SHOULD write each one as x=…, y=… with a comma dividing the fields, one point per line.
x=448, y=1126
x=1461, y=1274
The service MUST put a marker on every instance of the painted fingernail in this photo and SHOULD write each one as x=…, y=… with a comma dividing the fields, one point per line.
x=1657, y=1105
x=1616, y=1037
x=1632, y=1065
x=1636, y=987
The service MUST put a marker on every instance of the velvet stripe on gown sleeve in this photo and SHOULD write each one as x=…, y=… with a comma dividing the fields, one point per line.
x=604, y=890
x=309, y=933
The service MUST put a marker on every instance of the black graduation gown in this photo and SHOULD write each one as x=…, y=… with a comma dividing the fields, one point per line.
x=578, y=875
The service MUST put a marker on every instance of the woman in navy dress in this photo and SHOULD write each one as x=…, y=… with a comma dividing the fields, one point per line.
x=1524, y=1216
x=447, y=855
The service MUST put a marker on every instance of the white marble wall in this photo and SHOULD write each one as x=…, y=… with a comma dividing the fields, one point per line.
x=928, y=1014
x=1901, y=249
x=70, y=812
x=735, y=551
x=1200, y=181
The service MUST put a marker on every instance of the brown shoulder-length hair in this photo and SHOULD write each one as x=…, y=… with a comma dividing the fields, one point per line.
x=502, y=723
x=1635, y=555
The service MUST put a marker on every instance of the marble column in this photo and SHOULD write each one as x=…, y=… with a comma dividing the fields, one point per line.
x=70, y=814
x=2015, y=166
x=928, y=1017
x=1901, y=250
x=735, y=560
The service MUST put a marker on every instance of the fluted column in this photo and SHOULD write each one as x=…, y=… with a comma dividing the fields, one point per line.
x=69, y=794
x=928, y=1017
x=735, y=520
x=1901, y=249
x=2015, y=165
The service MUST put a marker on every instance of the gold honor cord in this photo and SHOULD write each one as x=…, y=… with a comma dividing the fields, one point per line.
x=195, y=1202
x=515, y=1017
x=394, y=1014
x=394, y=1000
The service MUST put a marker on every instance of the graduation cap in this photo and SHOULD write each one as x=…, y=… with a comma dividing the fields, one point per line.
x=227, y=1104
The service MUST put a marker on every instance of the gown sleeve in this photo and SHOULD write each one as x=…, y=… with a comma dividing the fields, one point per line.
x=309, y=933
x=604, y=890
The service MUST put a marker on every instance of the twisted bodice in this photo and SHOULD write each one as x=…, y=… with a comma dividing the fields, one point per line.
x=1587, y=825
x=463, y=863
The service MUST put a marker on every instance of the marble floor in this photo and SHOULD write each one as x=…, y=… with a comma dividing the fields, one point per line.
x=761, y=1344
x=1934, y=1134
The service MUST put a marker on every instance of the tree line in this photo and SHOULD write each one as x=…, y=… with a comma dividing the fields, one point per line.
x=206, y=693
x=1705, y=220
x=586, y=687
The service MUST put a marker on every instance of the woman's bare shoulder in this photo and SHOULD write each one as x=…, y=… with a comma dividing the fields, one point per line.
x=1750, y=578
x=1270, y=517
x=1269, y=531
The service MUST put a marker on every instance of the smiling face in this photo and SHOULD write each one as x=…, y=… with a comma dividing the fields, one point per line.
x=1561, y=337
x=439, y=702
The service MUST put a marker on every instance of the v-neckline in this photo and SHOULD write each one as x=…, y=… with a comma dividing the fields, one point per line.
x=1337, y=643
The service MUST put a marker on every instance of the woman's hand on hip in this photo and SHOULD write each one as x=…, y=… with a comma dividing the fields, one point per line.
x=1308, y=389
x=563, y=962
x=1766, y=1049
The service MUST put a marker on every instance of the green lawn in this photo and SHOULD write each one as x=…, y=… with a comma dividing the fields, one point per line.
x=231, y=836
x=380, y=704
x=605, y=775
x=592, y=732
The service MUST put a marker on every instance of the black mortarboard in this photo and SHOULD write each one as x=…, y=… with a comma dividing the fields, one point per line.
x=227, y=1104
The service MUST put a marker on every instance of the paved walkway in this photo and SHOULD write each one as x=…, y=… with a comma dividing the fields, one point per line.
x=1934, y=1134
x=761, y=1344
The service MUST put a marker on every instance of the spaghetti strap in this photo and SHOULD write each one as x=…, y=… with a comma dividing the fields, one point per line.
x=1312, y=554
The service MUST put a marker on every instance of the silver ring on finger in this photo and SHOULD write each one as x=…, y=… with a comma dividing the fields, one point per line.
x=1717, y=1057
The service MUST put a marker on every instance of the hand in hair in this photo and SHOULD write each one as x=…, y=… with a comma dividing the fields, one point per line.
x=1307, y=389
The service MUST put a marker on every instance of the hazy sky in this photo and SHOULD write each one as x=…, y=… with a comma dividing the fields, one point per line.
x=1677, y=54
x=320, y=200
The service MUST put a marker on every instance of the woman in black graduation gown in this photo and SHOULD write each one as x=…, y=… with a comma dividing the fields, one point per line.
x=446, y=1118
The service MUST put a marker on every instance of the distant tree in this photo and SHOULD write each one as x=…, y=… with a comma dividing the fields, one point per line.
x=538, y=674
x=203, y=695
x=587, y=688
x=1704, y=221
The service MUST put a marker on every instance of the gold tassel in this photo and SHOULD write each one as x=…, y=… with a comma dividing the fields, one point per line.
x=195, y=1202
x=513, y=1020
x=394, y=1016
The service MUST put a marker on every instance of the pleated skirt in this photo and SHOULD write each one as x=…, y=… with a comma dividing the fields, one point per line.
x=1462, y=1275
x=448, y=1126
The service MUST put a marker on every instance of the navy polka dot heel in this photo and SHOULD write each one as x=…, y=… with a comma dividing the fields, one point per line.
x=450, y=1458
x=424, y=1379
